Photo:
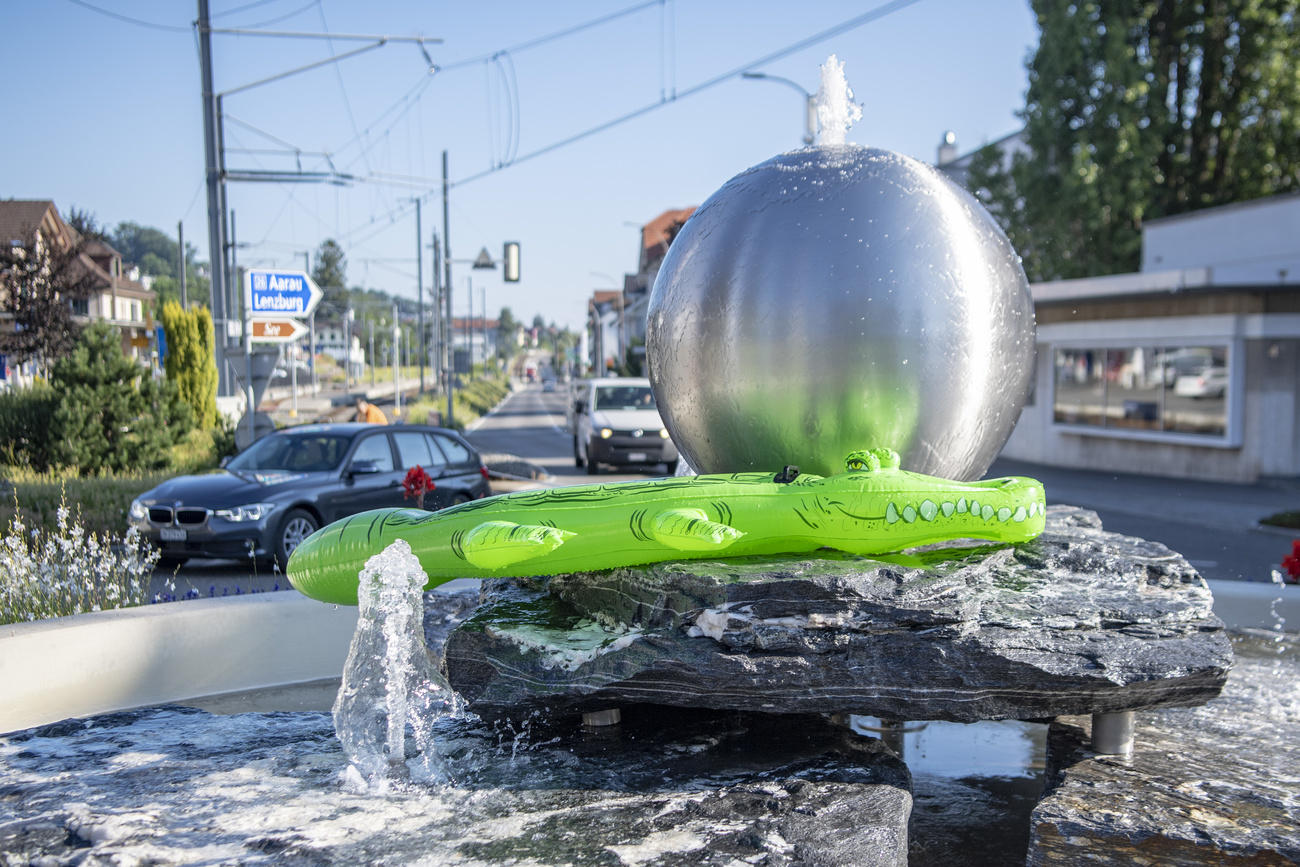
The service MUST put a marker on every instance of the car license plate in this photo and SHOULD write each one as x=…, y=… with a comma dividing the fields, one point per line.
x=636, y=457
x=171, y=534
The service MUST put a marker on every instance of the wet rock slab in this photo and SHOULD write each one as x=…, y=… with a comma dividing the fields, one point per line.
x=1218, y=784
x=1078, y=621
x=178, y=786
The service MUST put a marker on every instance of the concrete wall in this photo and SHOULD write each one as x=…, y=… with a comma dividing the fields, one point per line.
x=1255, y=242
x=113, y=660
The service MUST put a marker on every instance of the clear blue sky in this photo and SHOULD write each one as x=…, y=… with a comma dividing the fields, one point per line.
x=104, y=115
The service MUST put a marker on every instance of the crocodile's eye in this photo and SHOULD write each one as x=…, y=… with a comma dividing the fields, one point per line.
x=857, y=465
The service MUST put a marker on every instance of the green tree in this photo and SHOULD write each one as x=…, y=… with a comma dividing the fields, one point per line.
x=38, y=288
x=507, y=325
x=329, y=273
x=1143, y=110
x=86, y=224
x=113, y=415
x=190, y=363
x=152, y=249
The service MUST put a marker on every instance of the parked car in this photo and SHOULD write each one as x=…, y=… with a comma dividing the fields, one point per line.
x=290, y=483
x=1210, y=382
x=616, y=421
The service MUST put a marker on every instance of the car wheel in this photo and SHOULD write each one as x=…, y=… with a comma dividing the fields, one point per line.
x=577, y=456
x=592, y=467
x=458, y=499
x=169, y=562
x=672, y=468
x=297, y=525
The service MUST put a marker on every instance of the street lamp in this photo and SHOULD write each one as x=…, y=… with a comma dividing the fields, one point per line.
x=810, y=102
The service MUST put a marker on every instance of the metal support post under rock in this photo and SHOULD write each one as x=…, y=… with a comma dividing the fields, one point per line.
x=1112, y=733
x=609, y=717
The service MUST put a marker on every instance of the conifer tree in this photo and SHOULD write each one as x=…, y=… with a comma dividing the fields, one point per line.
x=113, y=415
x=190, y=363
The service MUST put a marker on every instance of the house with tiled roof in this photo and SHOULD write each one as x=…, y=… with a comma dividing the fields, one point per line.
x=117, y=296
x=616, y=319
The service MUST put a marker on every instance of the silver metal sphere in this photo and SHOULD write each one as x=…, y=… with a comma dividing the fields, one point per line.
x=837, y=298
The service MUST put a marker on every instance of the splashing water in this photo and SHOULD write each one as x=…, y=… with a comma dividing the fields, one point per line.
x=391, y=680
x=836, y=110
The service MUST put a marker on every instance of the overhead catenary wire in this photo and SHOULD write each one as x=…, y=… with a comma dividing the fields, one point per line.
x=285, y=17
x=245, y=7
x=139, y=22
x=434, y=184
x=866, y=18
x=549, y=37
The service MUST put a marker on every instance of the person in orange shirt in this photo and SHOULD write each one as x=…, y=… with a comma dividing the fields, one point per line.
x=369, y=413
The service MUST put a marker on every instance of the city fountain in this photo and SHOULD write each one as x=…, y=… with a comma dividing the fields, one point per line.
x=762, y=710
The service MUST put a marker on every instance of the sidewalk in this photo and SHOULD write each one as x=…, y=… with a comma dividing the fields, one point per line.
x=1217, y=505
x=1213, y=524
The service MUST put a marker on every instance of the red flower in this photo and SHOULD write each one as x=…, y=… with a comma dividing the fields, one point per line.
x=1291, y=563
x=416, y=484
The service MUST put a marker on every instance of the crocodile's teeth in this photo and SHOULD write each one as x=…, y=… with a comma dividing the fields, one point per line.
x=1020, y=514
x=986, y=512
x=975, y=508
x=948, y=509
x=961, y=506
x=928, y=510
x=909, y=514
x=891, y=514
x=1004, y=513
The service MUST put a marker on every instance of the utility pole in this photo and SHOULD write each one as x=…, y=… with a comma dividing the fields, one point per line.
x=469, y=323
x=370, y=324
x=446, y=264
x=180, y=242
x=419, y=282
x=437, y=314
x=247, y=319
x=397, y=389
x=347, y=350
x=311, y=326
x=216, y=204
x=482, y=295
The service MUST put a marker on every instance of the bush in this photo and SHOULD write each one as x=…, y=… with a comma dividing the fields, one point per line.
x=102, y=501
x=26, y=416
x=55, y=572
x=112, y=414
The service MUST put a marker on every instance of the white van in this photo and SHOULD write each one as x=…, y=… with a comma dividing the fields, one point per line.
x=615, y=421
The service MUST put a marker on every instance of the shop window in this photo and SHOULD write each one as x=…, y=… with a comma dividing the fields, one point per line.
x=1161, y=389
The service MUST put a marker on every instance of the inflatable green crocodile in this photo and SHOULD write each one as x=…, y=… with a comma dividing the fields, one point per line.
x=872, y=507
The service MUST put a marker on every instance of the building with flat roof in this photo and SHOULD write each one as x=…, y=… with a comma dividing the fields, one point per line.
x=1189, y=367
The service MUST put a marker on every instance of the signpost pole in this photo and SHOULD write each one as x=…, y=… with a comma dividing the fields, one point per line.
x=397, y=391
x=248, y=334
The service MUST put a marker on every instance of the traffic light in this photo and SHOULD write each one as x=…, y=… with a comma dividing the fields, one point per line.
x=510, y=258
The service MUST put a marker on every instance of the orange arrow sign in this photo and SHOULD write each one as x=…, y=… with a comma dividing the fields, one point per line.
x=277, y=330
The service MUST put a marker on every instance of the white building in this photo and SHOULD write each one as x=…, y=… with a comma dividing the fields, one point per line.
x=1189, y=367
x=331, y=340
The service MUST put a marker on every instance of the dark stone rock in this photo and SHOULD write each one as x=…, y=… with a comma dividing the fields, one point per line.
x=1218, y=784
x=1078, y=621
x=666, y=787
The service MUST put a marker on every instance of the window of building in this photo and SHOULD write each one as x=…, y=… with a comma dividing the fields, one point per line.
x=1162, y=389
x=80, y=306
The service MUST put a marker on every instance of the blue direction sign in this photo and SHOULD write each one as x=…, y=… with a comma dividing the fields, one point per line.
x=283, y=293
